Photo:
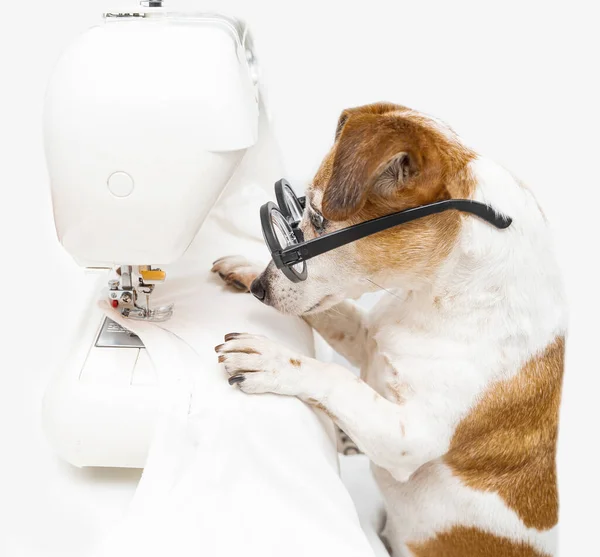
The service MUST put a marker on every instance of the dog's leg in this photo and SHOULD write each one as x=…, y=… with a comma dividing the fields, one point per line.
x=399, y=438
x=237, y=271
x=343, y=328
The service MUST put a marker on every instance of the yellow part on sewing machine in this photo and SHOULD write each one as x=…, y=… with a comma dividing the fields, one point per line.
x=149, y=275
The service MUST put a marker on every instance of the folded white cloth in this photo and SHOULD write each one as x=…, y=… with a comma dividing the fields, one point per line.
x=228, y=473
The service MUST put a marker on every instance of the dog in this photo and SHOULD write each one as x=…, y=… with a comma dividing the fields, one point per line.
x=462, y=358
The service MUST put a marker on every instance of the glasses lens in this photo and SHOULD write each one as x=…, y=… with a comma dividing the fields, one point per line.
x=285, y=235
x=292, y=204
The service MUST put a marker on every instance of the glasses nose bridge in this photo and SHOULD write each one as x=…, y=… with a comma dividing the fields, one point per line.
x=297, y=231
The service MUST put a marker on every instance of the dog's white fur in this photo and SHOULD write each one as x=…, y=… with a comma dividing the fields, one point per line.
x=502, y=303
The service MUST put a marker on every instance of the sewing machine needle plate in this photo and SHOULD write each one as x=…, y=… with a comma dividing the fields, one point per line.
x=112, y=335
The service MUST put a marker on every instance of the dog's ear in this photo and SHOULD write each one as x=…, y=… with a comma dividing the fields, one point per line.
x=341, y=122
x=375, y=108
x=372, y=155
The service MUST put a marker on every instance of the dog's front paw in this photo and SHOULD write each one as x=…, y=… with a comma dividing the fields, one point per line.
x=258, y=365
x=237, y=271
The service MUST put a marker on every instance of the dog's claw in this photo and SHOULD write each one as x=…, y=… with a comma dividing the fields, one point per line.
x=236, y=271
x=236, y=379
x=239, y=284
x=231, y=336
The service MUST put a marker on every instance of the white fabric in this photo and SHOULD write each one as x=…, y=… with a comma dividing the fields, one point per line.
x=228, y=473
x=360, y=483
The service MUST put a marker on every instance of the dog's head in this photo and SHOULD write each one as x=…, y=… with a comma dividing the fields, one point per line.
x=385, y=158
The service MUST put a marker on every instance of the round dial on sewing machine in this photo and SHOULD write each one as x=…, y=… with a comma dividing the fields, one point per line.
x=146, y=119
x=120, y=184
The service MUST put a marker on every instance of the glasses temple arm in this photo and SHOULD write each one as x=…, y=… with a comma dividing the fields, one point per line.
x=323, y=244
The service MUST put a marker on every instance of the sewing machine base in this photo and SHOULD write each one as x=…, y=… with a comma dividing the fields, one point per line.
x=101, y=405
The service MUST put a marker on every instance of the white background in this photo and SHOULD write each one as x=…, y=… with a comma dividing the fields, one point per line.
x=518, y=80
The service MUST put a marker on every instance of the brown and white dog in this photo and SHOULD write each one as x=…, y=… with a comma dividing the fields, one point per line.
x=461, y=360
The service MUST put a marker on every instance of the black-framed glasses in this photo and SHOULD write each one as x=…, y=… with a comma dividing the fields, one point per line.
x=285, y=240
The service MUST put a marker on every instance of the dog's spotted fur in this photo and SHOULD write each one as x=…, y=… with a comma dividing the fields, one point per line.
x=462, y=541
x=461, y=361
x=507, y=443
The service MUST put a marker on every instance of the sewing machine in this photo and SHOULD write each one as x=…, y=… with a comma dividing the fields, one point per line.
x=146, y=118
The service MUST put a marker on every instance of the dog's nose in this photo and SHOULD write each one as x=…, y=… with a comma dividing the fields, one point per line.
x=257, y=289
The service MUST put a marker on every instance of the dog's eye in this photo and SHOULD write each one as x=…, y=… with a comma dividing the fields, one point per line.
x=317, y=221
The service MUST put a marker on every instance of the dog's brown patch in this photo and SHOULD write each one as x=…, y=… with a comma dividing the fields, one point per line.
x=507, y=444
x=462, y=541
x=375, y=108
x=295, y=362
x=360, y=180
x=370, y=139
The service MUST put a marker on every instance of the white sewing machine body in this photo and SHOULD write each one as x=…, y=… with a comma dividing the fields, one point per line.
x=147, y=117
x=100, y=407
